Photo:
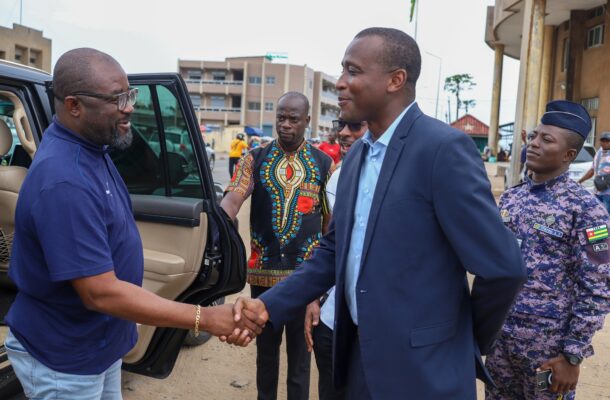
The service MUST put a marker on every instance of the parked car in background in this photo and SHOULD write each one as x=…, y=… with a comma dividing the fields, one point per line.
x=582, y=164
x=192, y=251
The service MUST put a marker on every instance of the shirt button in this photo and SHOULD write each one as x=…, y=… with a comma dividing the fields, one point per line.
x=366, y=190
x=374, y=159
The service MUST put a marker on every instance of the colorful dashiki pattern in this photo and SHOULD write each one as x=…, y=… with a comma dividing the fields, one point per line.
x=288, y=203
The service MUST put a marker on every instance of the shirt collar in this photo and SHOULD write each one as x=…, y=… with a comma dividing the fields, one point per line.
x=546, y=184
x=66, y=134
x=386, y=136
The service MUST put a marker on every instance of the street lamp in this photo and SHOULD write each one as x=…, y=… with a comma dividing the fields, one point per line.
x=438, y=84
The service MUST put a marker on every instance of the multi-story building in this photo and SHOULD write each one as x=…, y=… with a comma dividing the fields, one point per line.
x=244, y=91
x=25, y=46
x=563, y=54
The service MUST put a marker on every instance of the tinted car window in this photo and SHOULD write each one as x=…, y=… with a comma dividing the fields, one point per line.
x=147, y=167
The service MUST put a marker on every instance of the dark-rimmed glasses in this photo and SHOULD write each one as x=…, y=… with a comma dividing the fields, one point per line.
x=122, y=99
x=339, y=124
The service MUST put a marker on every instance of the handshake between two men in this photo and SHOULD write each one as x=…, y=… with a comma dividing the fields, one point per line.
x=237, y=323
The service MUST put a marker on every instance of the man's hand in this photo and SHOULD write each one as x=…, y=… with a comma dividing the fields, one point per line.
x=565, y=375
x=312, y=318
x=252, y=312
x=219, y=321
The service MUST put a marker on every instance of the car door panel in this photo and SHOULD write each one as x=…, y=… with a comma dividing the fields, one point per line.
x=191, y=253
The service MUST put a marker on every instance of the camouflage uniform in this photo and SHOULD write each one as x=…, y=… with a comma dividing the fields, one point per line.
x=563, y=233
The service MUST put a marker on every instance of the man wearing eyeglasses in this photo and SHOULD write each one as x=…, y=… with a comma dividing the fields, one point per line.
x=77, y=255
x=320, y=314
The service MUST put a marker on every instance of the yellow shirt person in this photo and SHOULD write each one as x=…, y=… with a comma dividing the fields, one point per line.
x=238, y=148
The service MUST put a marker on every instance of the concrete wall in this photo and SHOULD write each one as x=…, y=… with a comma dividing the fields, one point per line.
x=28, y=44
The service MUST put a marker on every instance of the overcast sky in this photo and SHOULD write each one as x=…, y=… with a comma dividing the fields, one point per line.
x=151, y=35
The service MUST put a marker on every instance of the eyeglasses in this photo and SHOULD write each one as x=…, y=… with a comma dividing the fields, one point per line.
x=338, y=125
x=122, y=99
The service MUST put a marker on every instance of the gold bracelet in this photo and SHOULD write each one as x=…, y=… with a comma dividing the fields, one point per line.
x=197, y=319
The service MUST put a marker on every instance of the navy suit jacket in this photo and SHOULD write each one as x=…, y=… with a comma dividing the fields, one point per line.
x=433, y=218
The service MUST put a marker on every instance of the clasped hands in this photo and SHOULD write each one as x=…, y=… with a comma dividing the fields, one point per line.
x=237, y=323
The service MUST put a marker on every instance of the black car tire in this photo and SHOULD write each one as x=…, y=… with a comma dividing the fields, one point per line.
x=191, y=340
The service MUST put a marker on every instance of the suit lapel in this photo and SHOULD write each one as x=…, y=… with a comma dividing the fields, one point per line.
x=388, y=167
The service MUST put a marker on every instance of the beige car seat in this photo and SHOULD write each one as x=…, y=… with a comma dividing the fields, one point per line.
x=11, y=178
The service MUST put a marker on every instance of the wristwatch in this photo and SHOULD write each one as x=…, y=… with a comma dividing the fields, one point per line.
x=573, y=359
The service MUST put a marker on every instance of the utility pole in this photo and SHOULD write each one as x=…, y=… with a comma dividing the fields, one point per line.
x=21, y=12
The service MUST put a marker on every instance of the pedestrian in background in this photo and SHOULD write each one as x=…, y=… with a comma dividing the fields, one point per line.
x=237, y=150
x=331, y=147
x=563, y=234
x=600, y=171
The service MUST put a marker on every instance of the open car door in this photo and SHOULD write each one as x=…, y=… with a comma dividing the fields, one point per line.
x=192, y=251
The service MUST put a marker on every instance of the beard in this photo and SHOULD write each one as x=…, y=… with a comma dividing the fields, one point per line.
x=120, y=142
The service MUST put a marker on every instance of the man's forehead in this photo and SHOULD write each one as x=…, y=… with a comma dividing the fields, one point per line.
x=110, y=77
x=362, y=48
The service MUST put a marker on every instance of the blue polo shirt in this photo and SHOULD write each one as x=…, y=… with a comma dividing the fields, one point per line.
x=73, y=219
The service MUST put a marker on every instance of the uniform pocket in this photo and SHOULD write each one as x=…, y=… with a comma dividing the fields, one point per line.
x=433, y=334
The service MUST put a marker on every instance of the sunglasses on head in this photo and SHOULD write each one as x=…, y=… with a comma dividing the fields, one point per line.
x=338, y=125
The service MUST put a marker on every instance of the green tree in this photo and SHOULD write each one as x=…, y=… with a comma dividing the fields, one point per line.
x=468, y=104
x=412, y=10
x=457, y=84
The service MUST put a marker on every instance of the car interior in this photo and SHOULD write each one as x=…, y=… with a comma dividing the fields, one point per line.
x=165, y=188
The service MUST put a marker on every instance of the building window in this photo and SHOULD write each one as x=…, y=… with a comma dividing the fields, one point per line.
x=596, y=12
x=565, y=55
x=196, y=100
x=310, y=84
x=591, y=104
x=194, y=74
x=254, y=106
x=2, y=55
x=595, y=36
x=591, y=138
x=268, y=106
x=219, y=75
x=255, y=80
x=270, y=80
x=217, y=101
x=20, y=53
x=268, y=129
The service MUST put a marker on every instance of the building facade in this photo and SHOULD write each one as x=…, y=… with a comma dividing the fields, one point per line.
x=25, y=46
x=563, y=54
x=475, y=128
x=244, y=91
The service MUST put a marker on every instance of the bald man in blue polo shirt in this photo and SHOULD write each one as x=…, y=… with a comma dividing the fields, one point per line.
x=77, y=254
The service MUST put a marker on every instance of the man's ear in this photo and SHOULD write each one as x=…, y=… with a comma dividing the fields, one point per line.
x=398, y=80
x=570, y=155
x=73, y=106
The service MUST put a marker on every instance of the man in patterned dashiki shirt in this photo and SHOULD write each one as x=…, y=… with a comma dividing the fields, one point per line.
x=287, y=181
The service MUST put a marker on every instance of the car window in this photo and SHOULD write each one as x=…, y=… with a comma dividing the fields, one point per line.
x=586, y=154
x=152, y=165
x=17, y=155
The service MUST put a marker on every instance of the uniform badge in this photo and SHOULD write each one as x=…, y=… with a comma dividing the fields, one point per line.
x=599, y=247
x=505, y=216
x=597, y=233
x=548, y=231
x=550, y=220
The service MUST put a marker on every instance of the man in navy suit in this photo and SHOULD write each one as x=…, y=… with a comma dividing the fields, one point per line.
x=414, y=213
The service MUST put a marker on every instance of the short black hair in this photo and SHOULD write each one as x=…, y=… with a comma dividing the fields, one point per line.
x=74, y=71
x=575, y=140
x=399, y=51
x=299, y=96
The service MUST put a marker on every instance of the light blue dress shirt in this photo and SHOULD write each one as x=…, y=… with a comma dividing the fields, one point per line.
x=371, y=166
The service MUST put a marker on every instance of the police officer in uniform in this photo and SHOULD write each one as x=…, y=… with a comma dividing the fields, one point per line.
x=563, y=233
